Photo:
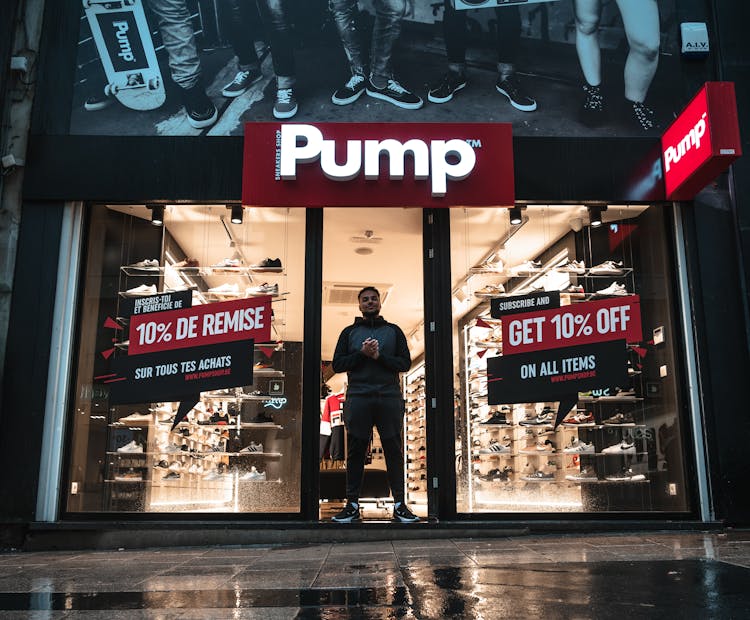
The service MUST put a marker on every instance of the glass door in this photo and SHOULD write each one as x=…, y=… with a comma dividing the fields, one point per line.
x=380, y=248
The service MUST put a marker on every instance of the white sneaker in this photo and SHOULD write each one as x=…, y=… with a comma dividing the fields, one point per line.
x=225, y=289
x=131, y=447
x=253, y=447
x=608, y=267
x=574, y=266
x=136, y=418
x=623, y=447
x=491, y=290
x=613, y=289
x=141, y=291
x=495, y=448
x=254, y=474
x=175, y=466
x=227, y=262
x=170, y=449
x=146, y=265
x=529, y=266
x=263, y=289
x=579, y=447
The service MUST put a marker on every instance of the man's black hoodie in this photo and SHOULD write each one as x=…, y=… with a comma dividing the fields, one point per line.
x=366, y=375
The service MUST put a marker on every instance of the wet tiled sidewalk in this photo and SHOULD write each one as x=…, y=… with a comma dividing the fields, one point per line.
x=653, y=575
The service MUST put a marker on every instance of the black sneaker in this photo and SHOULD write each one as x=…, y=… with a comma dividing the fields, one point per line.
x=285, y=105
x=201, y=111
x=403, y=514
x=511, y=88
x=643, y=116
x=396, y=94
x=351, y=91
x=241, y=82
x=448, y=86
x=348, y=514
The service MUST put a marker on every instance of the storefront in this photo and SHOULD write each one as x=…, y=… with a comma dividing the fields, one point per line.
x=545, y=292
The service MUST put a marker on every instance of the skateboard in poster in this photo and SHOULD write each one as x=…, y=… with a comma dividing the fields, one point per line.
x=123, y=40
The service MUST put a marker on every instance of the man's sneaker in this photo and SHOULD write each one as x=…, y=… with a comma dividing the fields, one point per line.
x=403, y=514
x=495, y=447
x=511, y=88
x=267, y=264
x=285, y=105
x=144, y=290
x=200, y=110
x=497, y=418
x=539, y=476
x=348, y=514
x=449, y=85
x=351, y=91
x=253, y=447
x=241, y=82
x=394, y=93
x=574, y=266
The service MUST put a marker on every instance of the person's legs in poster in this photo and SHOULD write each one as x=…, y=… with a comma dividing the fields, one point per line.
x=275, y=15
x=588, y=13
x=240, y=27
x=454, y=33
x=508, y=45
x=641, y=21
x=344, y=13
x=508, y=42
x=184, y=63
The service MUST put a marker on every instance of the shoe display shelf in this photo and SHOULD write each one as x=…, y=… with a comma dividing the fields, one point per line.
x=510, y=460
x=415, y=439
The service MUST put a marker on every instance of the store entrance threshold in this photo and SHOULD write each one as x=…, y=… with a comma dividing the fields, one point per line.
x=147, y=534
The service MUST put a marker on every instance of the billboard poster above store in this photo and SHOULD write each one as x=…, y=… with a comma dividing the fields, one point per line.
x=205, y=68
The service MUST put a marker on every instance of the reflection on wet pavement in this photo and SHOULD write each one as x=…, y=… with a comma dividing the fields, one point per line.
x=646, y=576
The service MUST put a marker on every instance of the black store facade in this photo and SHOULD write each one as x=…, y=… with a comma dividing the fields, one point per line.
x=576, y=360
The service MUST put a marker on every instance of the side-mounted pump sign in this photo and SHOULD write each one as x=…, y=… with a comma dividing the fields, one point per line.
x=378, y=164
x=701, y=142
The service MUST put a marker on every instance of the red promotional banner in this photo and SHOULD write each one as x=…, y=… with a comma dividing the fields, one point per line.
x=701, y=142
x=240, y=319
x=574, y=325
x=378, y=164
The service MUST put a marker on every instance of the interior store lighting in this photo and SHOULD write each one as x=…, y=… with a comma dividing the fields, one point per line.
x=516, y=217
x=595, y=215
x=236, y=214
x=157, y=214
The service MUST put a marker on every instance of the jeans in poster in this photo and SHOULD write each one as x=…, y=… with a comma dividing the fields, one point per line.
x=177, y=34
x=385, y=32
x=275, y=14
x=244, y=27
x=508, y=33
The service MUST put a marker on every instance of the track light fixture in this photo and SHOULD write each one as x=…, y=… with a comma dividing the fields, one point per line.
x=157, y=214
x=516, y=216
x=595, y=215
x=236, y=213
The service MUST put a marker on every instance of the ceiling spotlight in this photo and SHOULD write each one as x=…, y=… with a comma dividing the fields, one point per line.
x=236, y=214
x=516, y=217
x=157, y=214
x=595, y=215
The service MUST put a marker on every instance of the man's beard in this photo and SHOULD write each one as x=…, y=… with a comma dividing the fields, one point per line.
x=370, y=314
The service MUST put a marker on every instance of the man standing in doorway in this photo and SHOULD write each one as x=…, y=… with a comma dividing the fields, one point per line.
x=373, y=352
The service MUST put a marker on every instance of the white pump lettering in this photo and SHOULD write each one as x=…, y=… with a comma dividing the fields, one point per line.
x=441, y=160
x=121, y=33
x=674, y=154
